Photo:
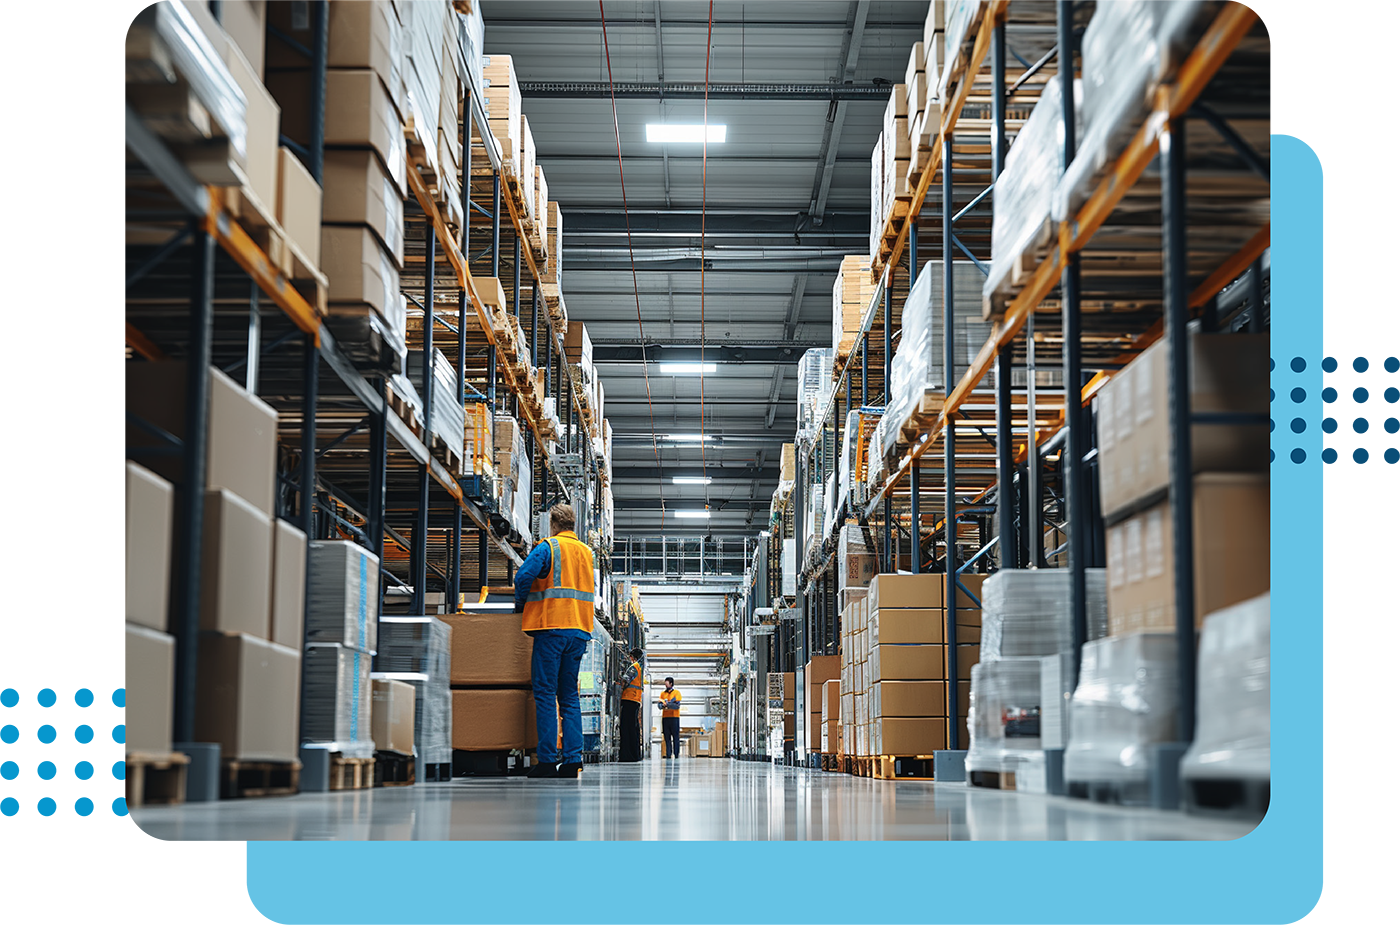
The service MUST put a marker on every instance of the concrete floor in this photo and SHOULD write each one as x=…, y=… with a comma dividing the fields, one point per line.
x=688, y=799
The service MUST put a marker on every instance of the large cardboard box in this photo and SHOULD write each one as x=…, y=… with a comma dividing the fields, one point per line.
x=789, y=686
x=921, y=591
x=918, y=663
x=368, y=35
x=264, y=118
x=493, y=720
x=817, y=672
x=288, y=585
x=248, y=697
x=359, y=191
x=358, y=268
x=150, y=686
x=235, y=585
x=1230, y=523
x=1229, y=375
x=360, y=113
x=245, y=22
x=150, y=507
x=242, y=442
x=299, y=205
x=907, y=625
x=489, y=649
x=831, y=699
x=577, y=347
x=917, y=698
x=904, y=735
x=391, y=716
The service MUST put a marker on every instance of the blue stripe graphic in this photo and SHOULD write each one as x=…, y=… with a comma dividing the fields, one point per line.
x=63, y=698
x=79, y=770
x=63, y=808
x=63, y=733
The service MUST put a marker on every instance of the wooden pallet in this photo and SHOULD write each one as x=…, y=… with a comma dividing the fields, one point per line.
x=394, y=770
x=1121, y=793
x=351, y=773
x=902, y=767
x=992, y=780
x=437, y=773
x=155, y=779
x=1227, y=797
x=446, y=453
x=861, y=766
x=830, y=762
x=241, y=779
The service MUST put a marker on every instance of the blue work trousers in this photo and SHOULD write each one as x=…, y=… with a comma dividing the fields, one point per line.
x=554, y=675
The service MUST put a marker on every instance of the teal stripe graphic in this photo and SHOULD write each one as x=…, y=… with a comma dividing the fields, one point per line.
x=74, y=770
x=63, y=698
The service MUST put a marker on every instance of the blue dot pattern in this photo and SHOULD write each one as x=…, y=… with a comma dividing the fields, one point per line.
x=9, y=735
x=47, y=733
x=119, y=697
x=119, y=806
x=9, y=697
x=1360, y=365
x=83, y=734
x=9, y=770
x=9, y=806
x=1361, y=424
x=1392, y=456
x=1329, y=455
x=1329, y=365
x=1360, y=455
x=47, y=770
x=83, y=770
x=119, y=734
x=1297, y=378
x=83, y=698
x=83, y=807
x=1392, y=365
x=47, y=806
x=47, y=698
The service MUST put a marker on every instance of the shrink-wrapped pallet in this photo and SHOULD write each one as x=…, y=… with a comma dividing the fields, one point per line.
x=1027, y=613
x=342, y=594
x=813, y=385
x=335, y=699
x=1232, y=683
x=417, y=650
x=448, y=415
x=1003, y=723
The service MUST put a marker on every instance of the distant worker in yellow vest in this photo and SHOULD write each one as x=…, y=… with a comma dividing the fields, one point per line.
x=631, y=719
x=554, y=592
x=671, y=718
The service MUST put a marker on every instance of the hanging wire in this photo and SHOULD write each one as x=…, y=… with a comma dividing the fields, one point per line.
x=636, y=292
x=704, y=164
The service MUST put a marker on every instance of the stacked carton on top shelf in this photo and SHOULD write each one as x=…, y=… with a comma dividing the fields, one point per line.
x=850, y=296
x=504, y=109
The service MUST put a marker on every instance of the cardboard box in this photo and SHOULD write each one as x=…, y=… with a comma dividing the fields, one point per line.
x=577, y=347
x=236, y=574
x=918, y=663
x=916, y=698
x=920, y=591
x=299, y=205
x=245, y=22
x=150, y=509
x=150, y=687
x=489, y=649
x=831, y=699
x=493, y=720
x=360, y=192
x=1229, y=374
x=242, y=443
x=789, y=686
x=264, y=119
x=908, y=735
x=288, y=585
x=910, y=625
x=391, y=716
x=248, y=697
x=360, y=113
x=817, y=672
x=1231, y=552
x=368, y=35
x=358, y=268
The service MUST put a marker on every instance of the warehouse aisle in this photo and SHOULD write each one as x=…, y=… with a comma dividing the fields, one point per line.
x=691, y=799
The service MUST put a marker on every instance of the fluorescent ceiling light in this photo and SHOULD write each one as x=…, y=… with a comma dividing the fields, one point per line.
x=659, y=132
x=688, y=438
x=690, y=480
x=680, y=369
x=700, y=515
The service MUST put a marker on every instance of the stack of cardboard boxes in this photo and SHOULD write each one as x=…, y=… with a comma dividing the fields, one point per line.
x=514, y=472
x=342, y=635
x=252, y=584
x=391, y=716
x=1229, y=382
x=922, y=76
x=831, y=717
x=417, y=649
x=910, y=700
x=492, y=706
x=818, y=671
x=850, y=297
x=364, y=171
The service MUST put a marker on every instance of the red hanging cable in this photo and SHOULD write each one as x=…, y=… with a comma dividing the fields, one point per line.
x=636, y=292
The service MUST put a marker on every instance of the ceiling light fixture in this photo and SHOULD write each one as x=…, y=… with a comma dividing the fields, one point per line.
x=691, y=480
x=687, y=369
x=695, y=134
x=695, y=515
x=688, y=438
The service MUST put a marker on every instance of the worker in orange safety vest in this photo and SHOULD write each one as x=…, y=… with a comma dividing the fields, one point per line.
x=671, y=718
x=631, y=719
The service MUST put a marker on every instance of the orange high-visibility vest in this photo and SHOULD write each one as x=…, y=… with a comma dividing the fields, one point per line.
x=633, y=689
x=562, y=598
x=672, y=701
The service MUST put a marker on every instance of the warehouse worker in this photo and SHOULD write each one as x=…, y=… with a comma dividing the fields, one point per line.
x=671, y=718
x=632, y=709
x=554, y=592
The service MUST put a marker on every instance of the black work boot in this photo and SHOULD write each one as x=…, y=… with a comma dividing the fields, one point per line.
x=543, y=770
x=571, y=769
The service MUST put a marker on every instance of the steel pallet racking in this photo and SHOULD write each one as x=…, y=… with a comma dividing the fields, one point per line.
x=201, y=295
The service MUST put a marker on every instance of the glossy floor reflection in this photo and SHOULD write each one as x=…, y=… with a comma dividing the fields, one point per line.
x=690, y=799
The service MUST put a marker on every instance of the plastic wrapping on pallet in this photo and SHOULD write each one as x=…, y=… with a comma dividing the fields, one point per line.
x=1128, y=47
x=1232, y=683
x=1026, y=612
x=335, y=699
x=448, y=414
x=374, y=343
x=1025, y=190
x=425, y=30
x=813, y=385
x=202, y=67
x=1004, y=718
x=959, y=16
x=917, y=366
x=1125, y=703
x=418, y=650
x=1056, y=689
x=342, y=594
